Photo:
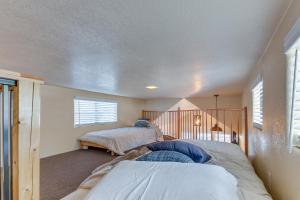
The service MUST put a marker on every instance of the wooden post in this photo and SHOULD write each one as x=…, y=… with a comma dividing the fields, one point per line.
x=25, y=136
x=246, y=130
x=29, y=138
x=143, y=112
x=178, y=123
x=15, y=144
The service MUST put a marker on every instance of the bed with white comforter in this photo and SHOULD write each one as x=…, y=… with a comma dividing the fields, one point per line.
x=133, y=180
x=120, y=140
x=229, y=175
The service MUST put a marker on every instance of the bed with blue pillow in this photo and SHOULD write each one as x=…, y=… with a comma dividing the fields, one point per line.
x=121, y=140
x=176, y=170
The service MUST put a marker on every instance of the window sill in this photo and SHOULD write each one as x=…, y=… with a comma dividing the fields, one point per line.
x=258, y=126
x=295, y=150
x=94, y=124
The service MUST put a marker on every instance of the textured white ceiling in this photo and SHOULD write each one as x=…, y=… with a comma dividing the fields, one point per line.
x=186, y=48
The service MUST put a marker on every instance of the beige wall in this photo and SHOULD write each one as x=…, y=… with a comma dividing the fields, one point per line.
x=164, y=104
x=278, y=168
x=58, y=134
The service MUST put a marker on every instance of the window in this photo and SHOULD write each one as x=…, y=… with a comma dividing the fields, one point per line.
x=294, y=97
x=292, y=49
x=88, y=111
x=257, y=100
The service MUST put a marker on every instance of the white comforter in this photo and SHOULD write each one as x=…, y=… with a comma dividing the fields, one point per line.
x=123, y=139
x=232, y=158
x=132, y=180
x=225, y=155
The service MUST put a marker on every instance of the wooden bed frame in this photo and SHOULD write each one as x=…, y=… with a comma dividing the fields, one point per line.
x=86, y=145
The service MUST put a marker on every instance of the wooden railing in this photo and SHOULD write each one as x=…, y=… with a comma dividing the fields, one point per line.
x=224, y=125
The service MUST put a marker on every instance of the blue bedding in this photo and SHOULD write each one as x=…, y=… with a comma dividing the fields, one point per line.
x=196, y=153
x=166, y=156
x=142, y=123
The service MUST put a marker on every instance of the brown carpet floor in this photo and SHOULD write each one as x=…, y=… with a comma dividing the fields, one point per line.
x=62, y=174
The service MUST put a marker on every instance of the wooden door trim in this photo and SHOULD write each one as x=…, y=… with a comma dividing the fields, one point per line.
x=15, y=144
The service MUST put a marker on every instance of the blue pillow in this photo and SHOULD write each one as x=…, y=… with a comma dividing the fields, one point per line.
x=166, y=156
x=196, y=153
x=142, y=123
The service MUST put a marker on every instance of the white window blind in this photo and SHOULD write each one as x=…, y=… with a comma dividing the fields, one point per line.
x=257, y=100
x=94, y=111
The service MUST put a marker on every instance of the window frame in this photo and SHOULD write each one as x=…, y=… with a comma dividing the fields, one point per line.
x=261, y=98
x=292, y=50
x=96, y=100
x=293, y=67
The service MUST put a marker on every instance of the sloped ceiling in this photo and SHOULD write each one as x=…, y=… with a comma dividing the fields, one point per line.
x=186, y=48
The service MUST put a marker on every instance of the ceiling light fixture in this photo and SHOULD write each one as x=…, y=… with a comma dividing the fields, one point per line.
x=151, y=87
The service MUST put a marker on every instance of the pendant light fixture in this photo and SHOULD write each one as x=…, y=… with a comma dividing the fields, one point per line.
x=216, y=127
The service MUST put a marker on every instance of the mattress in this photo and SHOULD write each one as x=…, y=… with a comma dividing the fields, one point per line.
x=228, y=156
x=122, y=139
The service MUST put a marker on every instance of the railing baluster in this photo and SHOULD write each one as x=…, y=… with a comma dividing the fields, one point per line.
x=171, y=123
x=238, y=129
x=189, y=124
x=206, y=126
x=200, y=127
x=224, y=126
x=231, y=127
x=211, y=113
x=184, y=129
x=194, y=135
x=183, y=119
x=164, y=114
x=174, y=123
x=183, y=124
x=193, y=127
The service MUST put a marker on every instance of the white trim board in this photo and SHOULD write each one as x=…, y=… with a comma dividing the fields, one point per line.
x=292, y=36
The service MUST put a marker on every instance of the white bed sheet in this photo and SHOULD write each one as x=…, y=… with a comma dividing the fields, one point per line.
x=123, y=139
x=132, y=180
